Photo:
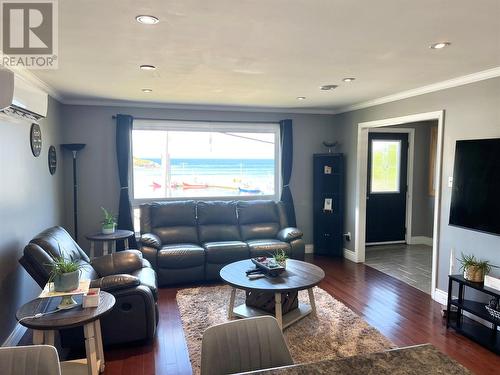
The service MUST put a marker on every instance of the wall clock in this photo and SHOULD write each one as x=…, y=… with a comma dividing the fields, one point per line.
x=36, y=139
x=52, y=160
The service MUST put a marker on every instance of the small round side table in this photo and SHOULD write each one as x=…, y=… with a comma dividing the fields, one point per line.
x=44, y=327
x=119, y=235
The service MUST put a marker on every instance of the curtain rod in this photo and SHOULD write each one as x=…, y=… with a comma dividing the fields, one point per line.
x=209, y=121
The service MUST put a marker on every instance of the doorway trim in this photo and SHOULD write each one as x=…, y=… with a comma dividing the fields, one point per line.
x=361, y=181
x=409, y=176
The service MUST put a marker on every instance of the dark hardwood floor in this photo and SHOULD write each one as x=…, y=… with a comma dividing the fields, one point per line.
x=402, y=313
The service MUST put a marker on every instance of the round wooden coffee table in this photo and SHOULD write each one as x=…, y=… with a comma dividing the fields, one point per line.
x=273, y=295
x=44, y=327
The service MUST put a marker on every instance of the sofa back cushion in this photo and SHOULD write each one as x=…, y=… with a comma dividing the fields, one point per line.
x=217, y=221
x=174, y=222
x=258, y=219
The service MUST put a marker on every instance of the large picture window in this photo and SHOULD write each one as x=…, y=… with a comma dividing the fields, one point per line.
x=180, y=159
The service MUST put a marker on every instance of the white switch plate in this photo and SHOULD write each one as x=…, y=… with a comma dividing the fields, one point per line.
x=450, y=181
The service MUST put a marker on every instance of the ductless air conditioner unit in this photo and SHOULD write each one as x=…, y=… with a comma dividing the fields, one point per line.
x=20, y=98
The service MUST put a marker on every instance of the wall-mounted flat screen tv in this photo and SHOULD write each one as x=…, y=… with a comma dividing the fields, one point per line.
x=475, y=198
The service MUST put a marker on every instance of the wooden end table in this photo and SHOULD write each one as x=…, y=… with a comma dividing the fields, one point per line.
x=279, y=291
x=45, y=326
x=119, y=235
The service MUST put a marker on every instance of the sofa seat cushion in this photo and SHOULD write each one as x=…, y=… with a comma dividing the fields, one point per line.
x=266, y=247
x=182, y=255
x=222, y=252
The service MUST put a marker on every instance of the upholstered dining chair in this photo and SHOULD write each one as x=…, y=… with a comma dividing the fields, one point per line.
x=244, y=345
x=29, y=360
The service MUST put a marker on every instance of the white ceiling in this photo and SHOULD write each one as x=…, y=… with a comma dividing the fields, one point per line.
x=266, y=53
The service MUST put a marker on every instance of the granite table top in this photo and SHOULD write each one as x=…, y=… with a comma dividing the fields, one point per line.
x=413, y=360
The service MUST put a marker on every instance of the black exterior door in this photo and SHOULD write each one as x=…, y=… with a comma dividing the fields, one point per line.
x=387, y=187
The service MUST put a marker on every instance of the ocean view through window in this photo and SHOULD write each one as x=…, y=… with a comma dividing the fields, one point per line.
x=181, y=159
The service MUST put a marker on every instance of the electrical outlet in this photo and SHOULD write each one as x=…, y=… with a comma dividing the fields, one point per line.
x=347, y=236
x=450, y=181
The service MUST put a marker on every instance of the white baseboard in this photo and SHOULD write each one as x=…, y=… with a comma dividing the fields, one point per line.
x=420, y=240
x=15, y=336
x=309, y=248
x=350, y=255
x=442, y=297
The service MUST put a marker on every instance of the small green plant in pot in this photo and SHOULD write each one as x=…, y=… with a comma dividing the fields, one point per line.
x=474, y=269
x=65, y=274
x=280, y=257
x=108, y=222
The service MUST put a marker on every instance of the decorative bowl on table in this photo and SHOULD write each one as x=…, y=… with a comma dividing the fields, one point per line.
x=268, y=265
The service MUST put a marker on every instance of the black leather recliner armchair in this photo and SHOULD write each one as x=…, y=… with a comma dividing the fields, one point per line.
x=125, y=274
x=189, y=241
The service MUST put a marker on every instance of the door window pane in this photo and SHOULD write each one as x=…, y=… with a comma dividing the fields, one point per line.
x=385, y=166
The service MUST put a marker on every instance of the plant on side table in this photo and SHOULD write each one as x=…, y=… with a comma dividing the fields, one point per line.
x=474, y=269
x=108, y=222
x=65, y=274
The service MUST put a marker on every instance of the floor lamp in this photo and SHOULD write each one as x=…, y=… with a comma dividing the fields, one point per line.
x=74, y=148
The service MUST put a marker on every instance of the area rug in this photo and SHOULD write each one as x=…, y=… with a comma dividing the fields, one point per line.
x=335, y=332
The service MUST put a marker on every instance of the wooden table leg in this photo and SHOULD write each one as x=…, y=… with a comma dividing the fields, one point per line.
x=126, y=243
x=37, y=337
x=311, y=300
x=90, y=348
x=113, y=247
x=105, y=248
x=49, y=337
x=98, y=340
x=231, y=303
x=277, y=307
x=92, y=250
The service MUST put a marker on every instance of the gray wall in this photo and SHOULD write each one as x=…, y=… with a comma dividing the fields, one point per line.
x=30, y=201
x=422, y=203
x=471, y=111
x=98, y=176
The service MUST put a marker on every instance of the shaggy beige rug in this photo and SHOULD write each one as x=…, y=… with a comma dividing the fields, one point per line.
x=335, y=332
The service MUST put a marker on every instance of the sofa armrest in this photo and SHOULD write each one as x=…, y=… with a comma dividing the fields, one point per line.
x=151, y=240
x=122, y=262
x=289, y=234
x=115, y=282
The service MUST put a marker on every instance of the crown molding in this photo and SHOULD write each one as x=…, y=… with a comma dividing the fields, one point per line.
x=194, y=107
x=454, y=82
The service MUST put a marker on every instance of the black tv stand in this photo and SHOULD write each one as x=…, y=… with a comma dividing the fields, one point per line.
x=487, y=337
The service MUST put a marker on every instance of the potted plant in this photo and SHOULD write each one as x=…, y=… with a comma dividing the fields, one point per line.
x=280, y=257
x=65, y=274
x=108, y=222
x=474, y=269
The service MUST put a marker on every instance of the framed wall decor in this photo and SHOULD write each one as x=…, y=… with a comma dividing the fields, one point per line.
x=36, y=139
x=52, y=160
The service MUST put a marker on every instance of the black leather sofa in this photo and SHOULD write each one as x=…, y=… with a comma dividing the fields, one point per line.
x=190, y=241
x=125, y=274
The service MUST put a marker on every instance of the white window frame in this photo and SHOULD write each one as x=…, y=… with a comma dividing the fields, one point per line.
x=208, y=126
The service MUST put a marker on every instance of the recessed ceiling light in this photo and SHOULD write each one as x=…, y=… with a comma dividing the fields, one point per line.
x=147, y=90
x=328, y=87
x=301, y=98
x=348, y=79
x=439, y=45
x=147, y=20
x=148, y=67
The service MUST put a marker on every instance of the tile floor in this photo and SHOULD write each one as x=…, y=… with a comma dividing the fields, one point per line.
x=409, y=263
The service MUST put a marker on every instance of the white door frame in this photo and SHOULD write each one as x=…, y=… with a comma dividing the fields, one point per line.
x=361, y=176
x=409, y=174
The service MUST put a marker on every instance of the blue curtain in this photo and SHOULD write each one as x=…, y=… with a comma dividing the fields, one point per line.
x=123, y=146
x=286, y=138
